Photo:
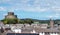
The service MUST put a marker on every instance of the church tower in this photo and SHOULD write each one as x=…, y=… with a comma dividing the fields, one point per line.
x=51, y=23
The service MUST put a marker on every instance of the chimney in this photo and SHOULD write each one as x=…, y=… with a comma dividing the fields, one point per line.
x=51, y=23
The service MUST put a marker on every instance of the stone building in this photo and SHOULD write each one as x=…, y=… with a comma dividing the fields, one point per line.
x=11, y=15
x=51, y=24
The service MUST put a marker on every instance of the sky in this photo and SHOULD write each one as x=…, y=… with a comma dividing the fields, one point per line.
x=35, y=9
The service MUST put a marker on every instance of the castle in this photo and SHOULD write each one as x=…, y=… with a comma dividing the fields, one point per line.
x=11, y=15
x=38, y=29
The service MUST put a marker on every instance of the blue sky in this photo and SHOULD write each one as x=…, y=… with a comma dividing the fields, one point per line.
x=35, y=9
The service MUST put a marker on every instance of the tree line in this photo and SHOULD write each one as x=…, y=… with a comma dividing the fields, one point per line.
x=27, y=21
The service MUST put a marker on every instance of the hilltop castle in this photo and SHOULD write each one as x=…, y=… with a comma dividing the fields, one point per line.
x=35, y=28
x=11, y=15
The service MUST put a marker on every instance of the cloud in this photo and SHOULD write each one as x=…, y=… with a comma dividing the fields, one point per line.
x=57, y=15
x=2, y=9
x=32, y=5
x=34, y=9
x=45, y=8
x=25, y=5
x=4, y=14
x=50, y=16
x=56, y=8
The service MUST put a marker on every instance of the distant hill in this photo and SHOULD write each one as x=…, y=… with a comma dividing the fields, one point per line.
x=35, y=20
x=57, y=21
x=29, y=20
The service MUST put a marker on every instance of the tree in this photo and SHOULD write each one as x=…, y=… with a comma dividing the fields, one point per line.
x=10, y=21
x=29, y=21
x=21, y=22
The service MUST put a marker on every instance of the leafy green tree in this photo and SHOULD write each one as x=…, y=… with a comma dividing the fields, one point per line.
x=21, y=22
x=29, y=21
x=10, y=21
